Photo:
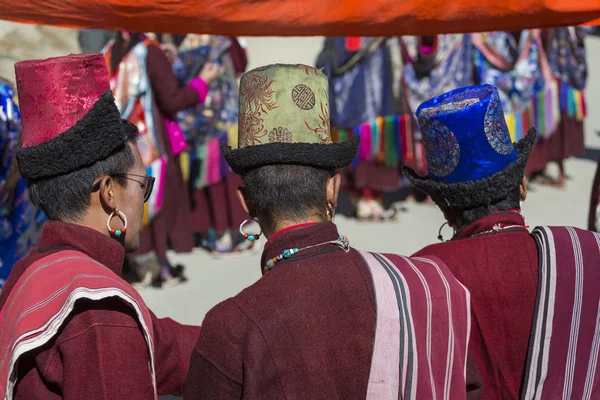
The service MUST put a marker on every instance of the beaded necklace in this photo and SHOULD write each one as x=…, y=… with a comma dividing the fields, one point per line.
x=501, y=227
x=342, y=242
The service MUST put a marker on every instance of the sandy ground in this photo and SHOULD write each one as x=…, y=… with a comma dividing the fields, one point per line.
x=212, y=281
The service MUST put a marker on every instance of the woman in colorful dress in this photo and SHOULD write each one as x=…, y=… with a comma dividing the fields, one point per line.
x=20, y=221
x=365, y=100
x=565, y=49
x=216, y=212
x=513, y=62
x=148, y=94
x=432, y=65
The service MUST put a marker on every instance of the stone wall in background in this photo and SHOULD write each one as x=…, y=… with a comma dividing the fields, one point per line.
x=22, y=41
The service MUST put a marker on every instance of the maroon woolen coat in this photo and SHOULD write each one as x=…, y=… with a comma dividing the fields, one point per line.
x=101, y=352
x=501, y=272
x=303, y=331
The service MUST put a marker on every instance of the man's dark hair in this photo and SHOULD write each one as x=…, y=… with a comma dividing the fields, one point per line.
x=289, y=192
x=468, y=216
x=67, y=197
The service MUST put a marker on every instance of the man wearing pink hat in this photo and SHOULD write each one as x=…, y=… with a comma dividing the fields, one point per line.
x=70, y=327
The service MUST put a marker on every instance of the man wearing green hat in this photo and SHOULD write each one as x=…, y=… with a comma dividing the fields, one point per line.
x=325, y=320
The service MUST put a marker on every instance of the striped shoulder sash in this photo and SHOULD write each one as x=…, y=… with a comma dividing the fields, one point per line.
x=42, y=300
x=562, y=359
x=422, y=329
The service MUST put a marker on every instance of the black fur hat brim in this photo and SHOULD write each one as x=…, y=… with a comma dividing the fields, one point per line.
x=93, y=138
x=480, y=192
x=326, y=156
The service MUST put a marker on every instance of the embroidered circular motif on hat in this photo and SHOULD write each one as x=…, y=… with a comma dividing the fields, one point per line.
x=441, y=147
x=280, y=135
x=495, y=127
x=303, y=97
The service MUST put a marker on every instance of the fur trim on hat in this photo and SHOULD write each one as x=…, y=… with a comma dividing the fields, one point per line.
x=93, y=138
x=326, y=156
x=480, y=192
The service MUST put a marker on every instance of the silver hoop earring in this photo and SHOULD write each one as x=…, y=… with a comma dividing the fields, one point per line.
x=440, y=237
x=252, y=237
x=117, y=232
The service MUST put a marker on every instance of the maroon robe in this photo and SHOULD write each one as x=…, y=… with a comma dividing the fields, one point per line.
x=501, y=272
x=217, y=206
x=100, y=353
x=568, y=141
x=565, y=337
x=304, y=330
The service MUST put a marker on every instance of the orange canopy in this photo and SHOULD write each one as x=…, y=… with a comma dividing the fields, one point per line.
x=304, y=17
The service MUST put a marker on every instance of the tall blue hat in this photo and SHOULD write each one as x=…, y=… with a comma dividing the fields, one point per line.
x=470, y=156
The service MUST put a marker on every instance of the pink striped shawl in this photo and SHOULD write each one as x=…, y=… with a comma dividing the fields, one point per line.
x=42, y=300
x=422, y=332
x=562, y=360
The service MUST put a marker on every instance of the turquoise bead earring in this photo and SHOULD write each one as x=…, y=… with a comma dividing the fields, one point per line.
x=246, y=236
x=113, y=231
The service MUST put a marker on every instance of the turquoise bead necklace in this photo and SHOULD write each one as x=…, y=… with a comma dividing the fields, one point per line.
x=342, y=242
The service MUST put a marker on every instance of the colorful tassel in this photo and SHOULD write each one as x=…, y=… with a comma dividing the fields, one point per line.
x=390, y=148
x=578, y=105
x=541, y=119
x=382, y=143
x=510, y=122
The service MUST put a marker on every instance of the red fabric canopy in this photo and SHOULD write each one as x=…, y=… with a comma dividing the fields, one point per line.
x=304, y=17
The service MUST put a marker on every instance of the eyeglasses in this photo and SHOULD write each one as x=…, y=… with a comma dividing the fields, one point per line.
x=147, y=185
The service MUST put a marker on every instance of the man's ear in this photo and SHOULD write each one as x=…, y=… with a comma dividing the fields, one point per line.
x=107, y=193
x=523, y=189
x=241, y=194
x=333, y=189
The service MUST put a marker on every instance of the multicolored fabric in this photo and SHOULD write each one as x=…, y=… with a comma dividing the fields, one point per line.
x=510, y=65
x=566, y=55
x=360, y=80
x=47, y=293
x=423, y=324
x=20, y=221
x=270, y=95
x=209, y=124
x=134, y=98
x=562, y=361
x=465, y=134
x=365, y=95
x=445, y=67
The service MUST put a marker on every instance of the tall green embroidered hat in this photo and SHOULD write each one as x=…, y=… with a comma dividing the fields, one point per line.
x=284, y=119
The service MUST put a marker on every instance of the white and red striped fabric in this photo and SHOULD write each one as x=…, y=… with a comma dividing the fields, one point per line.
x=562, y=361
x=44, y=296
x=422, y=329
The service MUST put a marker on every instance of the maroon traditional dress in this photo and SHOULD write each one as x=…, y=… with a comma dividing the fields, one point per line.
x=172, y=224
x=316, y=326
x=501, y=271
x=71, y=328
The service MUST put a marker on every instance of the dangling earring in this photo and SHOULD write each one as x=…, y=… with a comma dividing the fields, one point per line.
x=247, y=236
x=440, y=237
x=117, y=232
x=330, y=212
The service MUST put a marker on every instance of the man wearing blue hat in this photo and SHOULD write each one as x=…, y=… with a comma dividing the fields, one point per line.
x=549, y=276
